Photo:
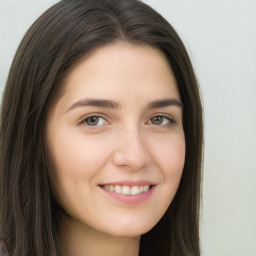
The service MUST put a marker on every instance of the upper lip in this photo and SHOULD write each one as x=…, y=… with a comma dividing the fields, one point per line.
x=129, y=183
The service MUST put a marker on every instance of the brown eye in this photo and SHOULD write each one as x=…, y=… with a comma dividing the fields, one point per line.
x=157, y=120
x=94, y=120
x=161, y=120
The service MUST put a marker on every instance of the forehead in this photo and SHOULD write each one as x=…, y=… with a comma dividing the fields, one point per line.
x=120, y=70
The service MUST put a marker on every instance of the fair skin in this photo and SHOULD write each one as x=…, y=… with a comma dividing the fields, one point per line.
x=116, y=146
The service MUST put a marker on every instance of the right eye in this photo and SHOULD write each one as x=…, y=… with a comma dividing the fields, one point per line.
x=94, y=121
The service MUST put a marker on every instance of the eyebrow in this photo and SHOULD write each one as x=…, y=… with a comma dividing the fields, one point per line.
x=114, y=105
x=95, y=102
x=165, y=103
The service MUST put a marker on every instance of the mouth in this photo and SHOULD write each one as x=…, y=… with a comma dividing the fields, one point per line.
x=127, y=190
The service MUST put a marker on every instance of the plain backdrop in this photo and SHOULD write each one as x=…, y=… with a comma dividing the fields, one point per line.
x=220, y=37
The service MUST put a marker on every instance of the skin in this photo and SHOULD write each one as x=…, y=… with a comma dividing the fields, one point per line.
x=128, y=140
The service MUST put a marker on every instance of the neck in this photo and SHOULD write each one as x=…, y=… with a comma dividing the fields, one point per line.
x=78, y=239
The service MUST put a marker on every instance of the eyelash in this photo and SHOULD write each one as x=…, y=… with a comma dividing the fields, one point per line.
x=85, y=119
x=168, y=120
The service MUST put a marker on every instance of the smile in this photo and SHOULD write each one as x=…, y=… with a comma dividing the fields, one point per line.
x=127, y=190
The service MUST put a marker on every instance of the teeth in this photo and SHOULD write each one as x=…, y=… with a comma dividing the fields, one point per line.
x=127, y=190
x=135, y=190
x=118, y=189
x=146, y=188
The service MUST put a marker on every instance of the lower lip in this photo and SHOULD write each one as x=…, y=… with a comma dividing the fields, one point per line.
x=130, y=198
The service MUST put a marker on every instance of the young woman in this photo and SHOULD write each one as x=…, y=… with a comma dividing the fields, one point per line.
x=101, y=136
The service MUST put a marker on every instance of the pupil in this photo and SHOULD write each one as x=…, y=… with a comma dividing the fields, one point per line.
x=157, y=120
x=92, y=120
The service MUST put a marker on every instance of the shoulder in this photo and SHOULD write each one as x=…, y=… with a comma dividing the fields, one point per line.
x=3, y=250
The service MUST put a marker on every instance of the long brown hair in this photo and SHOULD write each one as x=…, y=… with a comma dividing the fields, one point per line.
x=57, y=40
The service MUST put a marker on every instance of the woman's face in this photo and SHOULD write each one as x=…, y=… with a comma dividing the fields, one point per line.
x=115, y=140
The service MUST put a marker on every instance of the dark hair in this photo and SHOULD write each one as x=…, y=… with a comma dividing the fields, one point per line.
x=57, y=40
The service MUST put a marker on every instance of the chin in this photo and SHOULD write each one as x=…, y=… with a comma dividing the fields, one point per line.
x=130, y=231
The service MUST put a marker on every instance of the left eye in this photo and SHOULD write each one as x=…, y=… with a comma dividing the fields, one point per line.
x=160, y=120
x=94, y=120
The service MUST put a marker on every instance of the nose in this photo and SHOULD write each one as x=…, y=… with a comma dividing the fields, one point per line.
x=131, y=150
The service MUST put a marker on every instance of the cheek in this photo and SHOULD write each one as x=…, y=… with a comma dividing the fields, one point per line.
x=73, y=153
x=170, y=154
x=74, y=161
x=175, y=157
x=170, y=159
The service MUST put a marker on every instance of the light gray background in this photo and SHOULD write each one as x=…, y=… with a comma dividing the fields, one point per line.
x=220, y=36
